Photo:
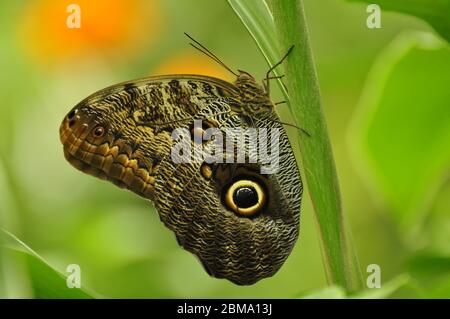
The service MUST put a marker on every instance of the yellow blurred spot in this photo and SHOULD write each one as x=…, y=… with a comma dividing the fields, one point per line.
x=107, y=26
x=193, y=63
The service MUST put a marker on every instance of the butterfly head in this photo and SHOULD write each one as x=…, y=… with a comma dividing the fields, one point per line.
x=254, y=97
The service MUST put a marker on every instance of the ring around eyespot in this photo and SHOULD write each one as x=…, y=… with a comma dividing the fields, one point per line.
x=98, y=131
x=245, y=197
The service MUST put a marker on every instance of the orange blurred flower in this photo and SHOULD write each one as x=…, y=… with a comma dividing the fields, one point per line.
x=107, y=26
x=193, y=63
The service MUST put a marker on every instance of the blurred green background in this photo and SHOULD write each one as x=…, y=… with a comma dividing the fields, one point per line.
x=386, y=94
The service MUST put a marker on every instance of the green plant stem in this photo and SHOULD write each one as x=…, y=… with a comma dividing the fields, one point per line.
x=339, y=258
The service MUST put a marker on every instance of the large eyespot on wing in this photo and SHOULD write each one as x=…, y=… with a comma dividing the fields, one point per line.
x=245, y=197
x=242, y=248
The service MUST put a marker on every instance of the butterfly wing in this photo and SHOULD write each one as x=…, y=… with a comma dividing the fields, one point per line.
x=242, y=249
x=139, y=118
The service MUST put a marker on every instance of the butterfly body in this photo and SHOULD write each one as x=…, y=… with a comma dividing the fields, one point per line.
x=124, y=134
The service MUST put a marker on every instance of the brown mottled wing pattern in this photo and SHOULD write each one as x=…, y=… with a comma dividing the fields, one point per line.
x=140, y=117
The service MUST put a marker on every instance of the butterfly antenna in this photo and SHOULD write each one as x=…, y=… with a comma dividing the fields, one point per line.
x=208, y=53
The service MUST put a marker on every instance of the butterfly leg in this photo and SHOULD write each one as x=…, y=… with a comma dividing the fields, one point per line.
x=273, y=68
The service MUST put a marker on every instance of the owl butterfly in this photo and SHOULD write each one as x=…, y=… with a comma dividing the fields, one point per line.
x=240, y=223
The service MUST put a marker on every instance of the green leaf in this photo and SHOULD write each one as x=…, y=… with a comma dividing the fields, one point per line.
x=44, y=281
x=330, y=292
x=385, y=291
x=289, y=28
x=400, y=135
x=435, y=12
x=431, y=273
